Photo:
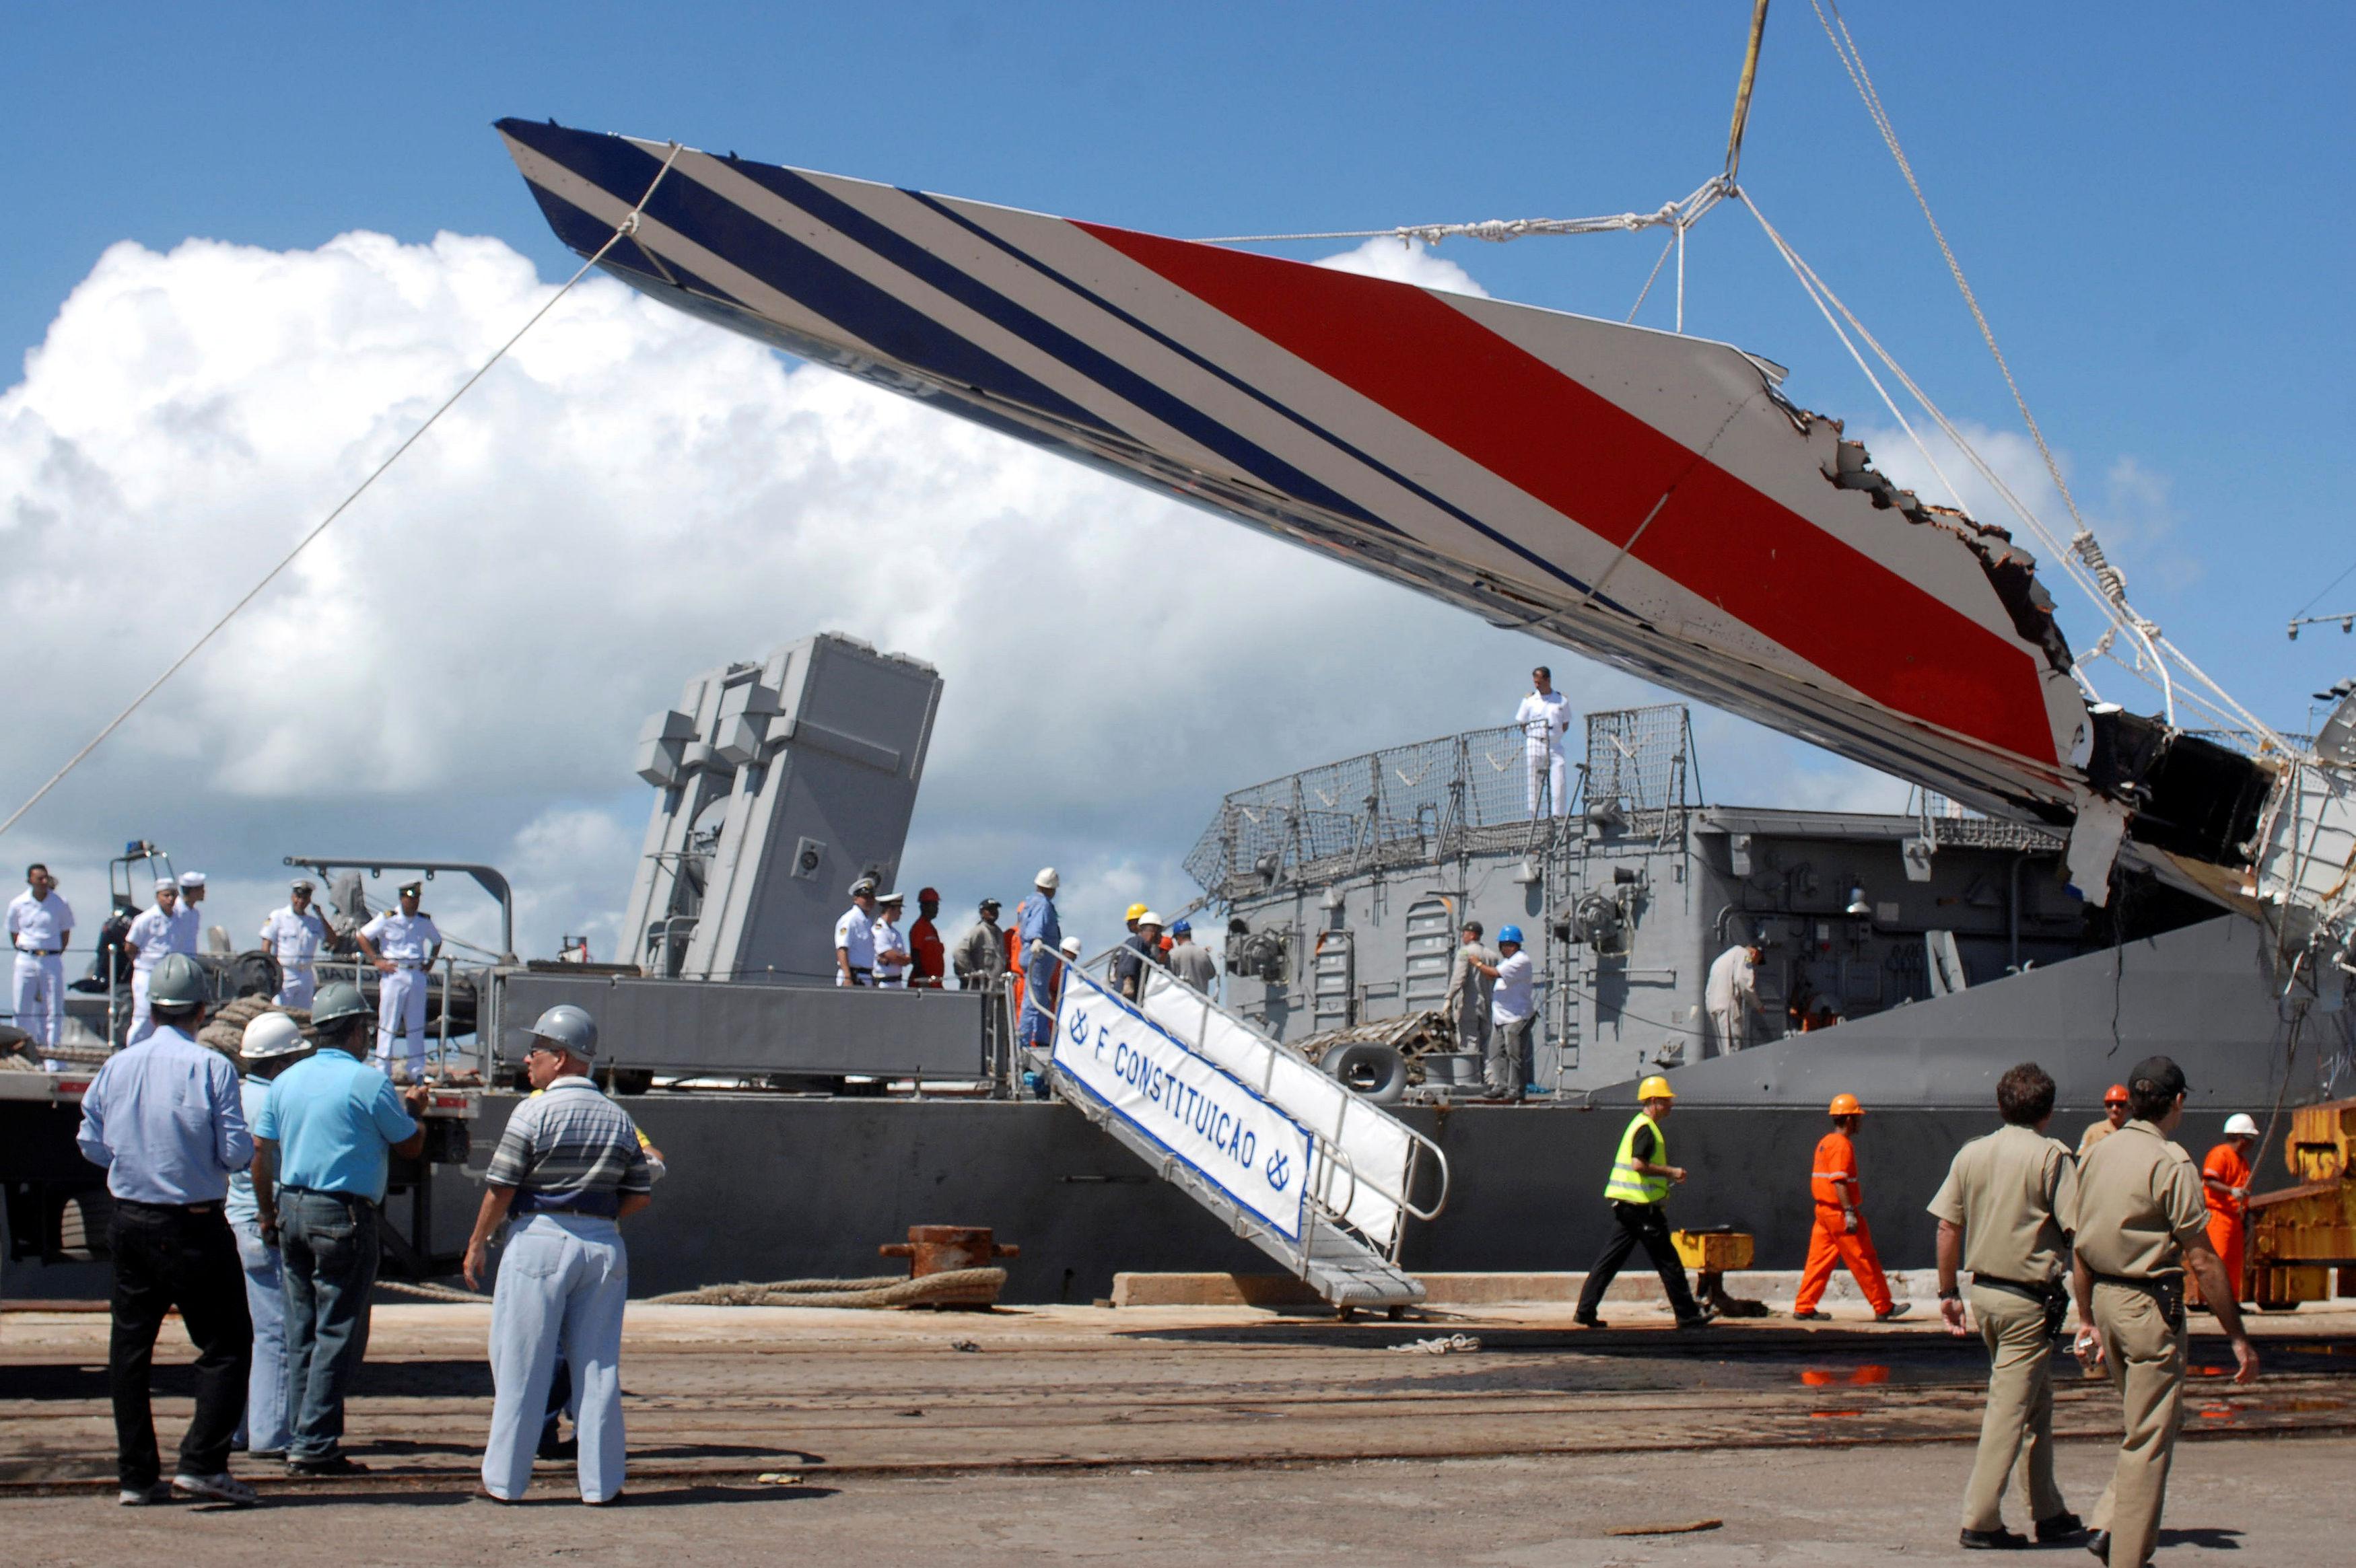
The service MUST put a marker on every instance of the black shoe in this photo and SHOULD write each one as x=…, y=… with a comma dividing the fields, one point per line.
x=552, y=1446
x=1896, y=1310
x=1996, y=1539
x=2099, y=1543
x=1701, y=1319
x=1812, y=1316
x=1589, y=1320
x=2060, y=1530
x=325, y=1464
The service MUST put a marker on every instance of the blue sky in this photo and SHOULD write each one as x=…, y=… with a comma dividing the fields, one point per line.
x=2149, y=199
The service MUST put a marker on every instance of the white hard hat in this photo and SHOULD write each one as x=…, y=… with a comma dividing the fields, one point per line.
x=2239, y=1125
x=192, y=879
x=1071, y=947
x=271, y=1034
x=1047, y=879
x=1150, y=918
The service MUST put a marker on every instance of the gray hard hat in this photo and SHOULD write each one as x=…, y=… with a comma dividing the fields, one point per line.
x=337, y=1002
x=177, y=981
x=568, y=1029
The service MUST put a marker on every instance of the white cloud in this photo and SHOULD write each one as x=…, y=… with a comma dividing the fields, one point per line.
x=1406, y=262
x=458, y=670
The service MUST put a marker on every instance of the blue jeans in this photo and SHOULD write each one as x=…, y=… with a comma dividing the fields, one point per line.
x=563, y=1280
x=268, y=1413
x=329, y=1244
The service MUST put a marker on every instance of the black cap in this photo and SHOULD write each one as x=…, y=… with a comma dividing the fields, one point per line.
x=2158, y=1076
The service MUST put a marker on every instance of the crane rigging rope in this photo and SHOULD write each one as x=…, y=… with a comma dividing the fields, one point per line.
x=628, y=226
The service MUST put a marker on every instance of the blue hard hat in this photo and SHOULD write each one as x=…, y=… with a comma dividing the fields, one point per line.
x=1182, y=928
x=1512, y=934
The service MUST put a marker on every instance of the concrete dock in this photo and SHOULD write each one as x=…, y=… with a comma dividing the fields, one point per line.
x=1173, y=1434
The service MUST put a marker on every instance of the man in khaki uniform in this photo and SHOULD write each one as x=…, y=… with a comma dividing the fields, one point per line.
x=2006, y=1211
x=2142, y=1222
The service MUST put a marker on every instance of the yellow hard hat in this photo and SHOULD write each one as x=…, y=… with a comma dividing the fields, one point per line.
x=1847, y=1106
x=1134, y=911
x=1655, y=1088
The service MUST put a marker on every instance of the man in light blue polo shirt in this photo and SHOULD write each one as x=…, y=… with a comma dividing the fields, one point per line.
x=325, y=1134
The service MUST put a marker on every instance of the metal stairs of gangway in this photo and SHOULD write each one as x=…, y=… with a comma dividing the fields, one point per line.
x=1364, y=1164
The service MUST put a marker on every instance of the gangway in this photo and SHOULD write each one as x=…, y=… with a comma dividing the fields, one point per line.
x=1313, y=1174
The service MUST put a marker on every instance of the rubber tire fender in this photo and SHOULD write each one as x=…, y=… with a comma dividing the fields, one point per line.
x=1376, y=1072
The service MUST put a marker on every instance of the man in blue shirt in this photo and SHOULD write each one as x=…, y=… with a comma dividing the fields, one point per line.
x=325, y=1132
x=163, y=1117
x=1036, y=919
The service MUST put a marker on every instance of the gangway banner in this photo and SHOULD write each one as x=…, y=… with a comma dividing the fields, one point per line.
x=1203, y=1115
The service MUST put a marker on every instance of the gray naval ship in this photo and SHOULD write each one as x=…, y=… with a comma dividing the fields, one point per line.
x=1923, y=953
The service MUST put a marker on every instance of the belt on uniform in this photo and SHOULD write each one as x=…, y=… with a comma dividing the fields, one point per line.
x=40, y=952
x=2166, y=1290
x=2052, y=1296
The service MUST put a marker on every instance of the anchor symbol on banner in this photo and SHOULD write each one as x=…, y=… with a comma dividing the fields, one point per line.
x=1079, y=1028
x=1279, y=1171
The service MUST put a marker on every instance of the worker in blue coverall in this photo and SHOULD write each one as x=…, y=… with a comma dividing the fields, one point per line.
x=1035, y=921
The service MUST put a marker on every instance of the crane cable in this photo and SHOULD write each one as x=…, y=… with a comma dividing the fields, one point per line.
x=627, y=226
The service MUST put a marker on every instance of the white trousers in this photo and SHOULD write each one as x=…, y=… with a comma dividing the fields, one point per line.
x=142, y=1026
x=1731, y=1029
x=41, y=1000
x=401, y=1011
x=297, y=983
x=1549, y=790
x=563, y=1280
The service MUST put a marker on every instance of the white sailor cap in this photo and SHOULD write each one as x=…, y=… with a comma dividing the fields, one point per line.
x=303, y=884
x=192, y=879
x=166, y=885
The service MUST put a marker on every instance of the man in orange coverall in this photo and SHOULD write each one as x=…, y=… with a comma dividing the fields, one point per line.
x=2225, y=1178
x=1840, y=1235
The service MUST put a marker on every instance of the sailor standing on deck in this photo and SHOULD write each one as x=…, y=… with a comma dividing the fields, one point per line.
x=569, y=1167
x=1544, y=717
x=163, y=1118
x=891, y=943
x=41, y=924
x=854, y=938
x=981, y=951
x=1470, y=986
x=2006, y=1212
x=402, y=944
x=1731, y=995
x=1513, y=1015
x=2142, y=1226
x=293, y=934
x=158, y=933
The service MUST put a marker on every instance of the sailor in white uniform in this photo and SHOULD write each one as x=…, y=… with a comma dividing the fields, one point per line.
x=891, y=943
x=854, y=938
x=293, y=934
x=40, y=923
x=1544, y=717
x=402, y=945
x=168, y=927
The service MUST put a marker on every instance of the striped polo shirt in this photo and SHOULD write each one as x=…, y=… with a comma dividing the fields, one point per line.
x=569, y=1146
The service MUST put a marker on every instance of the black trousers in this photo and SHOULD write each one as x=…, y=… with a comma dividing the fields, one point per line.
x=166, y=1258
x=1638, y=1224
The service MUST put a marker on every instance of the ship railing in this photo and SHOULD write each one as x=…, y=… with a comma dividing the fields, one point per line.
x=1381, y=1224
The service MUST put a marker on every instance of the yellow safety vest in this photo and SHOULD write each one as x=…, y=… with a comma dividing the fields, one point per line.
x=1629, y=1185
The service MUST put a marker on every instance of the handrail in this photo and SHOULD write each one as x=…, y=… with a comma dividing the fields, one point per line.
x=1271, y=1053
